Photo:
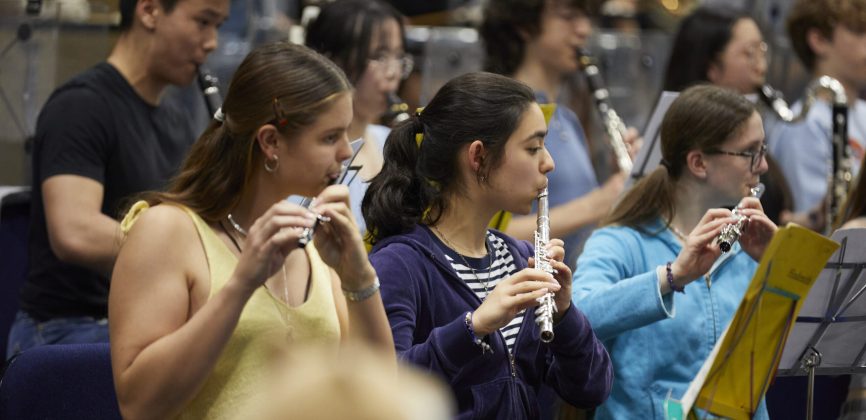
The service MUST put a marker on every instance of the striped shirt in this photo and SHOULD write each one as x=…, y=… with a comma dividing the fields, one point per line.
x=483, y=274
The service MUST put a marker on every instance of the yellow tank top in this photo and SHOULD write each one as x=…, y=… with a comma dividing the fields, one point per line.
x=260, y=337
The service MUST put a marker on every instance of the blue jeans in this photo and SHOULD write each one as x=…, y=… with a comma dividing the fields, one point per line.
x=27, y=333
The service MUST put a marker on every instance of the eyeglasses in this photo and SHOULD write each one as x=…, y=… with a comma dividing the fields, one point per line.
x=402, y=63
x=756, y=51
x=755, y=156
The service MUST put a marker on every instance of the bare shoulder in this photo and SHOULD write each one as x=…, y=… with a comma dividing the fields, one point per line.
x=163, y=227
x=163, y=219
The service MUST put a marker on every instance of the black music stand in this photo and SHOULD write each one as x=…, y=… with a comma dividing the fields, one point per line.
x=829, y=336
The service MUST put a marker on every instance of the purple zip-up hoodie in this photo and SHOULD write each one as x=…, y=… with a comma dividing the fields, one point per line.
x=426, y=303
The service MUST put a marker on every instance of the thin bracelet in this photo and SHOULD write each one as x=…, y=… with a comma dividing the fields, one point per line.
x=363, y=294
x=670, y=277
x=485, y=348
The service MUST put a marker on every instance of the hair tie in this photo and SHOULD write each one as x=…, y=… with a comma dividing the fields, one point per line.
x=667, y=166
x=419, y=137
x=219, y=116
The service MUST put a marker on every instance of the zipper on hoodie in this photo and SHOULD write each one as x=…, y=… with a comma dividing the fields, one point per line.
x=709, y=281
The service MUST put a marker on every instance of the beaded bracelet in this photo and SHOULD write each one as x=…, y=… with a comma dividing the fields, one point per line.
x=670, y=277
x=363, y=294
x=485, y=348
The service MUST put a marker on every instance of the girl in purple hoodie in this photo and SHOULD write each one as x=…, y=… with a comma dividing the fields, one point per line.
x=460, y=297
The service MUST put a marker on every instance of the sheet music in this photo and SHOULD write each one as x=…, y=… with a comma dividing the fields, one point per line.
x=833, y=317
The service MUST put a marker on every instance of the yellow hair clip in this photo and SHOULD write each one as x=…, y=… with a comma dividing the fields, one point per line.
x=547, y=110
x=418, y=139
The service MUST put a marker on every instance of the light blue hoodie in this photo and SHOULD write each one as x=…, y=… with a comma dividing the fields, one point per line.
x=657, y=343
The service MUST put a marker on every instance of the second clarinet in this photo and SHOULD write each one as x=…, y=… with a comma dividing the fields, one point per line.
x=613, y=125
x=546, y=305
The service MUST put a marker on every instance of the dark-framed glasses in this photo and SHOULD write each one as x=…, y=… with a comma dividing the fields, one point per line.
x=755, y=156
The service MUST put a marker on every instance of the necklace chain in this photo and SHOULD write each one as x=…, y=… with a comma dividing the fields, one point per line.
x=284, y=314
x=679, y=234
x=484, y=283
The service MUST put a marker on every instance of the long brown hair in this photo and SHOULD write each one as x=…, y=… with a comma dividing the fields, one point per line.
x=279, y=83
x=701, y=118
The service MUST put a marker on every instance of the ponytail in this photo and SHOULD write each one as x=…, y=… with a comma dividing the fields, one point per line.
x=701, y=118
x=399, y=195
x=651, y=197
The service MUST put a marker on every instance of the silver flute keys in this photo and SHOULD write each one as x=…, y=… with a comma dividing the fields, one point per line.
x=307, y=233
x=732, y=231
x=546, y=305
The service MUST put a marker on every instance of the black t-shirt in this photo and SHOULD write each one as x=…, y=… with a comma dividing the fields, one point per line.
x=98, y=127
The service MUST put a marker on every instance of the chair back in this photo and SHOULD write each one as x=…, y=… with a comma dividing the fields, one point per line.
x=66, y=381
x=14, y=231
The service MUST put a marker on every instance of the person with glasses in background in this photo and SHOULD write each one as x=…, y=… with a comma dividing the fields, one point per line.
x=653, y=281
x=721, y=45
x=366, y=39
x=536, y=42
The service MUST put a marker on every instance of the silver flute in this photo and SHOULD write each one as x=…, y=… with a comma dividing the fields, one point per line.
x=732, y=231
x=307, y=233
x=546, y=305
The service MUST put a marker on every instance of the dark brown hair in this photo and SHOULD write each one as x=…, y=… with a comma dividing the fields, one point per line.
x=823, y=16
x=416, y=180
x=127, y=11
x=505, y=22
x=345, y=29
x=701, y=118
x=281, y=83
x=699, y=42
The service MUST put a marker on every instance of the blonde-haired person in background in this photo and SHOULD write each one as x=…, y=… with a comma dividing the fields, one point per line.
x=358, y=384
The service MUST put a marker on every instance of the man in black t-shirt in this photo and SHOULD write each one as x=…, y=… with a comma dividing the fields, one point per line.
x=101, y=138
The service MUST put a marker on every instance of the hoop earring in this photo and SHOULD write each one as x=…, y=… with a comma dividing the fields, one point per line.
x=271, y=169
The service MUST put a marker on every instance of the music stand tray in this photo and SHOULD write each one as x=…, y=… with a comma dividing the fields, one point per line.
x=829, y=335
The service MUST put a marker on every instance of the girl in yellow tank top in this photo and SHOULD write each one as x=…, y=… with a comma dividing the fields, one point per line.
x=212, y=284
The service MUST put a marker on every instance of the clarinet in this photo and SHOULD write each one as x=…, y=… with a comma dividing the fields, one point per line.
x=209, y=85
x=546, y=305
x=841, y=164
x=732, y=231
x=613, y=125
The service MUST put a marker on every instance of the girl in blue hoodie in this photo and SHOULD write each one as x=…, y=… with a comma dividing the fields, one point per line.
x=460, y=297
x=653, y=280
